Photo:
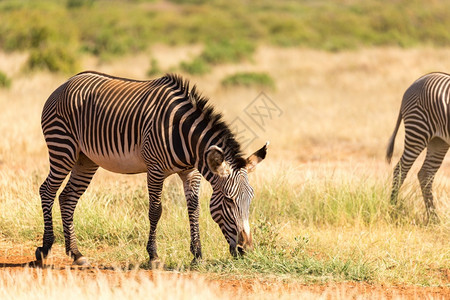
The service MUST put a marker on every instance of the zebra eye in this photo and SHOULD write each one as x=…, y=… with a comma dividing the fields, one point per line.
x=229, y=199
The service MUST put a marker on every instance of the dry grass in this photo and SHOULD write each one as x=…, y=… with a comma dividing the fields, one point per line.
x=96, y=284
x=26, y=283
x=67, y=284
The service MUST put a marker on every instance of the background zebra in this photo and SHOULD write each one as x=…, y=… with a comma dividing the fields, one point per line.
x=160, y=127
x=425, y=110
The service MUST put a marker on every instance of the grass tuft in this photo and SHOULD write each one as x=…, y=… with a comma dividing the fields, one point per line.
x=248, y=79
x=196, y=67
x=5, y=81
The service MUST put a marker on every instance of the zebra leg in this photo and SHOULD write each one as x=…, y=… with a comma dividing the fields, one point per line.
x=47, y=192
x=62, y=158
x=191, y=183
x=82, y=173
x=415, y=141
x=436, y=151
x=401, y=170
x=155, y=181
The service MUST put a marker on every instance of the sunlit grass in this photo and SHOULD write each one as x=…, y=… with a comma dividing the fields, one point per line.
x=104, y=284
x=328, y=230
x=97, y=285
x=247, y=79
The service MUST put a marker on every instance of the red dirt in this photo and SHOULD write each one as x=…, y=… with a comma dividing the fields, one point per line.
x=12, y=260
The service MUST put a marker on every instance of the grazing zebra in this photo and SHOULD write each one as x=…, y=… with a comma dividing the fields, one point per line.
x=425, y=111
x=160, y=127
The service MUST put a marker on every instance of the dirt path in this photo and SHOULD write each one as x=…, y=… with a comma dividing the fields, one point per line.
x=12, y=260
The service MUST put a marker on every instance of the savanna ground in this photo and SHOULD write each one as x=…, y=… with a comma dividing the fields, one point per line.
x=321, y=219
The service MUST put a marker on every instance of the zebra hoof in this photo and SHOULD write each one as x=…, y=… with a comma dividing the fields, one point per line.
x=433, y=219
x=196, y=262
x=156, y=264
x=81, y=262
x=41, y=253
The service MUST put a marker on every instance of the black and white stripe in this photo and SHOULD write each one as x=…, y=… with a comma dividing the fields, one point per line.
x=425, y=111
x=160, y=127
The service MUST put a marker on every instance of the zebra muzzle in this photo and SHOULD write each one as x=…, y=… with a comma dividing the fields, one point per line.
x=244, y=242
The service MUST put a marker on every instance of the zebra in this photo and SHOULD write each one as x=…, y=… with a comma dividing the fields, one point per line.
x=425, y=110
x=160, y=127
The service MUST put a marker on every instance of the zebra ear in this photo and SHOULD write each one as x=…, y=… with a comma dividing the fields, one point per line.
x=256, y=158
x=216, y=161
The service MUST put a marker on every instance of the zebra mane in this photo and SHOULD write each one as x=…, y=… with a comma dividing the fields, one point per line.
x=232, y=146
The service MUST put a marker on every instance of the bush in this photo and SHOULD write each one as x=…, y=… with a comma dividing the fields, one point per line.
x=5, y=81
x=196, y=67
x=227, y=51
x=216, y=53
x=79, y=3
x=54, y=59
x=249, y=79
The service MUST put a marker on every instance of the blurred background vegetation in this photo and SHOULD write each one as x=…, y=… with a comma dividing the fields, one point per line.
x=56, y=33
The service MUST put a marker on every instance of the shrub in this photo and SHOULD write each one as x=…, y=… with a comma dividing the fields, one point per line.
x=216, y=53
x=249, y=79
x=54, y=59
x=227, y=51
x=196, y=67
x=5, y=81
x=79, y=3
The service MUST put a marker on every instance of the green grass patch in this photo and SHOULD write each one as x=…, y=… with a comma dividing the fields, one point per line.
x=305, y=268
x=195, y=67
x=248, y=79
x=5, y=81
x=227, y=51
x=224, y=51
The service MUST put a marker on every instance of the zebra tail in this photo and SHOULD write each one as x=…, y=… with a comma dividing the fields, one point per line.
x=390, y=148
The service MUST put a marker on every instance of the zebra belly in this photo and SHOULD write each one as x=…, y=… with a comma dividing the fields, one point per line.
x=126, y=163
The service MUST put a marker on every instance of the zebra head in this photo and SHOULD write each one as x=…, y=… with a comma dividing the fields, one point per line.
x=232, y=194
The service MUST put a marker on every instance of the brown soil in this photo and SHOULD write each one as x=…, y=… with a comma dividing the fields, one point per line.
x=12, y=259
